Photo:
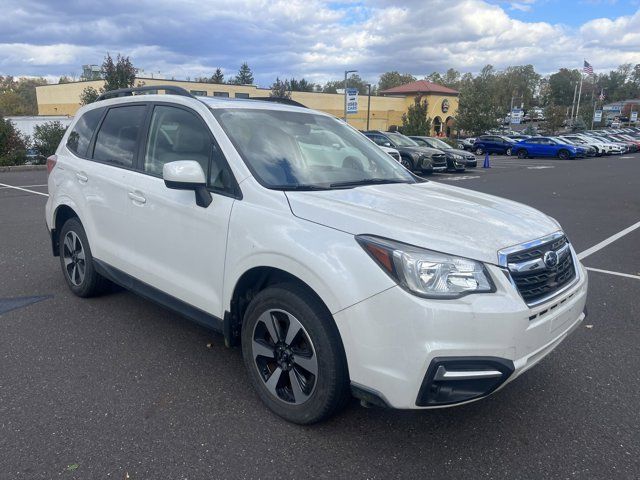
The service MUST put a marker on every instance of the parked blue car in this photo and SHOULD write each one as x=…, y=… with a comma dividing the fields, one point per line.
x=547, y=147
x=493, y=144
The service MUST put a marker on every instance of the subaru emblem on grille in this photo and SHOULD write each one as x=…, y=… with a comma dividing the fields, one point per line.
x=550, y=259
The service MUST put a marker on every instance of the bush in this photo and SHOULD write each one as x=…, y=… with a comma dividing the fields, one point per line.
x=47, y=137
x=13, y=145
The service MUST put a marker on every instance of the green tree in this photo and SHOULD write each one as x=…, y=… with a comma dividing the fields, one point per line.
x=244, y=76
x=13, y=145
x=18, y=96
x=561, y=87
x=218, y=76
x=416, y=121
x=301, y=85
x=394, y=79
x=555, y=116
x=118, y=74
x=478, y=111
x=88, y=95
x=520, y=83
x=47, y=137
x=65, y=79
x=354, y=81
x=280, y=89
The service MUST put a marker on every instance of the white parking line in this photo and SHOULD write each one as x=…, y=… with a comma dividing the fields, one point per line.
x=607, y=241
x=27, y=186
x=23, y=189
x=618, y=274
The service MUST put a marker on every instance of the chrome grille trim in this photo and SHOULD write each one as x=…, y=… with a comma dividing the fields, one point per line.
x=556, y=241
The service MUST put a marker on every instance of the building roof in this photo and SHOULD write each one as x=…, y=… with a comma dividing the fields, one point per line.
x=420, y=86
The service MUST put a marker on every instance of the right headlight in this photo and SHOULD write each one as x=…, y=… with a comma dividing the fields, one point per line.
x=427, y=273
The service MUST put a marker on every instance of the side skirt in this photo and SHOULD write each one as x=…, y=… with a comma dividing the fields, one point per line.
x=158, y=296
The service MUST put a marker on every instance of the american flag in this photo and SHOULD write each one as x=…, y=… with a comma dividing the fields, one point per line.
x=588, y=69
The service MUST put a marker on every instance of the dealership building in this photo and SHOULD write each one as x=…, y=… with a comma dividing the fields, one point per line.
x=380, y=112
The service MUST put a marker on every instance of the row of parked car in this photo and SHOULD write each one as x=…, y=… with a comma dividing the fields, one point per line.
x=422, y=154
x=571, y=145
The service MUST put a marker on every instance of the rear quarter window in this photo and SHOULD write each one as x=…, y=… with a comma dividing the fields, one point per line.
x=80, y=137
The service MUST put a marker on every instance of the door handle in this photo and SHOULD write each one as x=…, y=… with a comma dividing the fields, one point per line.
x=82, y=177
x=137, y=197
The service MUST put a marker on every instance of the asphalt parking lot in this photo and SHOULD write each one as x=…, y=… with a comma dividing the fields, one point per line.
x=116, y=386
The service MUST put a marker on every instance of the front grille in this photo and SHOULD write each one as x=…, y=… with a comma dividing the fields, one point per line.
x=439, y=160
x=533, y=278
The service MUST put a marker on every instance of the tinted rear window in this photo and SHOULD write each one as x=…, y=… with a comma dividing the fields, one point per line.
x=80, y=137
x=117, y=140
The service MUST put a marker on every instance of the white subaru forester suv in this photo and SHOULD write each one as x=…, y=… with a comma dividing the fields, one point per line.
x=338, y=272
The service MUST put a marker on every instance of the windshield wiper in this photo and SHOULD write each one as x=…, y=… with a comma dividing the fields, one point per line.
x=366, y=181
x=298, y=188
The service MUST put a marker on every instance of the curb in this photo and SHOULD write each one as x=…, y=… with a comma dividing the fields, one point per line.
x=22, y=168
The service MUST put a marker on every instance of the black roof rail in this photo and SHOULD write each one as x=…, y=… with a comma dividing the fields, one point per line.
x=127, y=92
x=284, y=101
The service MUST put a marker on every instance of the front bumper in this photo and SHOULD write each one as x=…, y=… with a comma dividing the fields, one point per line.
x=392, y=338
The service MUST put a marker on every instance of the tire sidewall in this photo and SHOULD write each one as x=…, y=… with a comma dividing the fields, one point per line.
x=87, y=286
x=332, y=379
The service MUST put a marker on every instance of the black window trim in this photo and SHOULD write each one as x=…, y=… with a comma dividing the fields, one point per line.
x=136, y=157
x=93, y=134
x=142, y=148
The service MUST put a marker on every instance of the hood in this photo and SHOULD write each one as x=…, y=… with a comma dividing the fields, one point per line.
x=439, y=217
x=423, y=150
x=463, y=153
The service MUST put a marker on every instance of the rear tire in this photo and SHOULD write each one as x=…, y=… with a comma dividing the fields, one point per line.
x=77, y=262
x=522, y=154
x=479, y=151
x=508, y=152
x=313, y=379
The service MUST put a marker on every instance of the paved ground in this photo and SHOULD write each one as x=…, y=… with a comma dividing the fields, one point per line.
x=114, y=385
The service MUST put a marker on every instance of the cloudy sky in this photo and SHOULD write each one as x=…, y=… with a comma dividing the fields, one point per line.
x=314, y=38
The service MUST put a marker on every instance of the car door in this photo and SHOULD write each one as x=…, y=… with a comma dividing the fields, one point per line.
x=179, y=246
x=106, y=181
x=547, y=147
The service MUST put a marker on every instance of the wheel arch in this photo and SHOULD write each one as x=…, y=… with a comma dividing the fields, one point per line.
x=248, y=285
x=62, y=213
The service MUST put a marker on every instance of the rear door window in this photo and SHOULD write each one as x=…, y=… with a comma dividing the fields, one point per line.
x=117, y=139
x=80, y=137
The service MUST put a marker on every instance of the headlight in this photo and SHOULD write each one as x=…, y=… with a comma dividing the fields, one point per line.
x=427, y=273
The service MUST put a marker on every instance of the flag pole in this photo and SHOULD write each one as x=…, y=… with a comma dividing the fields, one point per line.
x=573, y=103
x=579, y=95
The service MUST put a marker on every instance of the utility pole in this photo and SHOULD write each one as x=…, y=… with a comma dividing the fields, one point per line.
x=346, y=72
x=579, y=95
x=368, y=105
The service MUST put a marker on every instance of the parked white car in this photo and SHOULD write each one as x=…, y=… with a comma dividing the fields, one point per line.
x=337, y=271
x=392, y=152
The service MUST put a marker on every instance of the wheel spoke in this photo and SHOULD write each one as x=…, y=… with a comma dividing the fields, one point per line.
x=67, y=261
x=272, y=326
x=76, y=242
x=272, y=383
x=261, y=350
x=73, y=274
x=298, y=395
x=308, y=363
x=81, y=254
x=294, y=327
x=68, y=243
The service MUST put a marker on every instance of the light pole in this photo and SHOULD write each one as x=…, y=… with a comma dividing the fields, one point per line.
x=368, y=105
x=346, y=72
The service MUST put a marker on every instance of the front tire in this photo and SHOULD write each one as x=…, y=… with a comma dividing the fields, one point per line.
x=77, y=262
x=508, y=152
x=406, y=163
x=294, y=356
x=479, y=151
x=563, y=155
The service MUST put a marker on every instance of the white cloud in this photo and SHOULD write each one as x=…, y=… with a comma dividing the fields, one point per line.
x=312, y=38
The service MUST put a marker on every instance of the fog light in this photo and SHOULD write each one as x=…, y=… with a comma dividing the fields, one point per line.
x=451, y=380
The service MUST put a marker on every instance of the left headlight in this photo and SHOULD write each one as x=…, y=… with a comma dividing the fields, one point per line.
x=427, y=273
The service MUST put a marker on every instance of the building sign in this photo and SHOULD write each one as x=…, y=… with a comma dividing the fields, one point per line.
x=612, y=108
x=352, y=100
x=516, y=116
x=445, y=106
x=634, y=116
x=597, y=116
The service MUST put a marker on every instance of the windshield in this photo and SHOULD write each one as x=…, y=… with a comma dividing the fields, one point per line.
x=437, y=143
x=401, y=140
x=297, y=151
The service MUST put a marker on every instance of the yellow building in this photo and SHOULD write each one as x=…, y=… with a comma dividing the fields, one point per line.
x=385, y=111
